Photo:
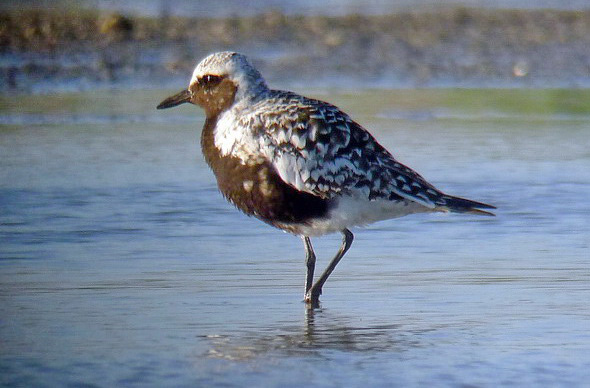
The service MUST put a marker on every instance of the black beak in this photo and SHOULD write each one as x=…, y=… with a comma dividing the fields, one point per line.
x=177, y=99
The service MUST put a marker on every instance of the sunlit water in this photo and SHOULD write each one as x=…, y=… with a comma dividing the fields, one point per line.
x=121, y=265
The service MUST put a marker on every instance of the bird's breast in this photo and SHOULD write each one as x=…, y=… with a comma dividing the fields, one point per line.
x=252, y=184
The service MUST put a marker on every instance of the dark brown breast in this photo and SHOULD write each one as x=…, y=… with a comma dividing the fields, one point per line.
x=257, y=189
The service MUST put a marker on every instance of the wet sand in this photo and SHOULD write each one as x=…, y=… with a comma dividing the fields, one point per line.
x=45, y=50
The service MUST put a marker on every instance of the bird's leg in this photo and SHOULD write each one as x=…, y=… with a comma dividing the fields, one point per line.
x=309, y=263
x=312, y=296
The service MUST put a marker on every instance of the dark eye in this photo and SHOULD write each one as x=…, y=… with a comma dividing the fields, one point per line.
x=210, y=80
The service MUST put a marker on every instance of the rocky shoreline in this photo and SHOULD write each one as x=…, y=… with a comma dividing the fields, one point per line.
x=47, y=50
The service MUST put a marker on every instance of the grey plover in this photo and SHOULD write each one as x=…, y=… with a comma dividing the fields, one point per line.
x=300, y=164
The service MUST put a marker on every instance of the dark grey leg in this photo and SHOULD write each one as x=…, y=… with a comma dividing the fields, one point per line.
x=309, y=263
x=312, y=296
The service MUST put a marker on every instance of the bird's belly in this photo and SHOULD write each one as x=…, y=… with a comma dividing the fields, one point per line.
x=346, y=212
x=258, y=191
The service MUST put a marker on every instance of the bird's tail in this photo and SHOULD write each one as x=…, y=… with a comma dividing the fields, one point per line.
x=462, y=205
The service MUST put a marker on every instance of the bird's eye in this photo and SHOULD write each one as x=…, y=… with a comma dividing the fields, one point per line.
x=210, y=80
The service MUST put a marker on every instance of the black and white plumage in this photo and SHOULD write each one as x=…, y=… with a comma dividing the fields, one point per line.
x=300, y=164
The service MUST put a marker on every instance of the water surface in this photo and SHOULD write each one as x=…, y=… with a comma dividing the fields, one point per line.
x=121, y=265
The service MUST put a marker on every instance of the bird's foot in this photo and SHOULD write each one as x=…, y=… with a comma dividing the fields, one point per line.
x=312, y=297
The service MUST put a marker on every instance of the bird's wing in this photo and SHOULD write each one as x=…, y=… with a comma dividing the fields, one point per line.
x=318, y=149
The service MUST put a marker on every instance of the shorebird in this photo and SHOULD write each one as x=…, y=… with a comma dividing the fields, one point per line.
x=300, y=164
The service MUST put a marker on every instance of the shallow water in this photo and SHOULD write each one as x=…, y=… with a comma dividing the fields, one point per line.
x=121, y=265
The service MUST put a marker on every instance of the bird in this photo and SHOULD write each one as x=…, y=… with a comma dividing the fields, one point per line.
x=300, y=164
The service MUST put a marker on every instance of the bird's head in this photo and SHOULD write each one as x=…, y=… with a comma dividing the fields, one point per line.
x=218, y=81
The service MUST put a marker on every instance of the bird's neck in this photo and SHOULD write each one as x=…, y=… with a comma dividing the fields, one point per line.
x=210, y=152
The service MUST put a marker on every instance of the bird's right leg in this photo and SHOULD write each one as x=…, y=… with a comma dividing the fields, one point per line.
x=312, y=297
x=309, y=263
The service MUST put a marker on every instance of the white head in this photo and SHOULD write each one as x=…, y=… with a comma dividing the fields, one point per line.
x=234, y=67
x=218, y=81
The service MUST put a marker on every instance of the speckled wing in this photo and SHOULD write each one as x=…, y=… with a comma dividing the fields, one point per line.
x=318, y=149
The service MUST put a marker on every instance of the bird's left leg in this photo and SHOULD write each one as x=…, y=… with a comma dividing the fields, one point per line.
x=312, y=296
x=309, y=263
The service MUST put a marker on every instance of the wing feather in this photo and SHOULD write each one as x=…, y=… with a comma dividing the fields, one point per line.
x=318, y=149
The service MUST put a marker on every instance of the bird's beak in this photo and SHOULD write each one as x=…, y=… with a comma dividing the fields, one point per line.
x=177, y=99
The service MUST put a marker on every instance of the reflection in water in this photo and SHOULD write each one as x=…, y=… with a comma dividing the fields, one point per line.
x=320, y=331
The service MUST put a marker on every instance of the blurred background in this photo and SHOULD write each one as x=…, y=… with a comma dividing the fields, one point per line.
x=76, y=45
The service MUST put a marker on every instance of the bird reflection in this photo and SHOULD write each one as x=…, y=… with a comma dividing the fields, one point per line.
x=319, y=331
